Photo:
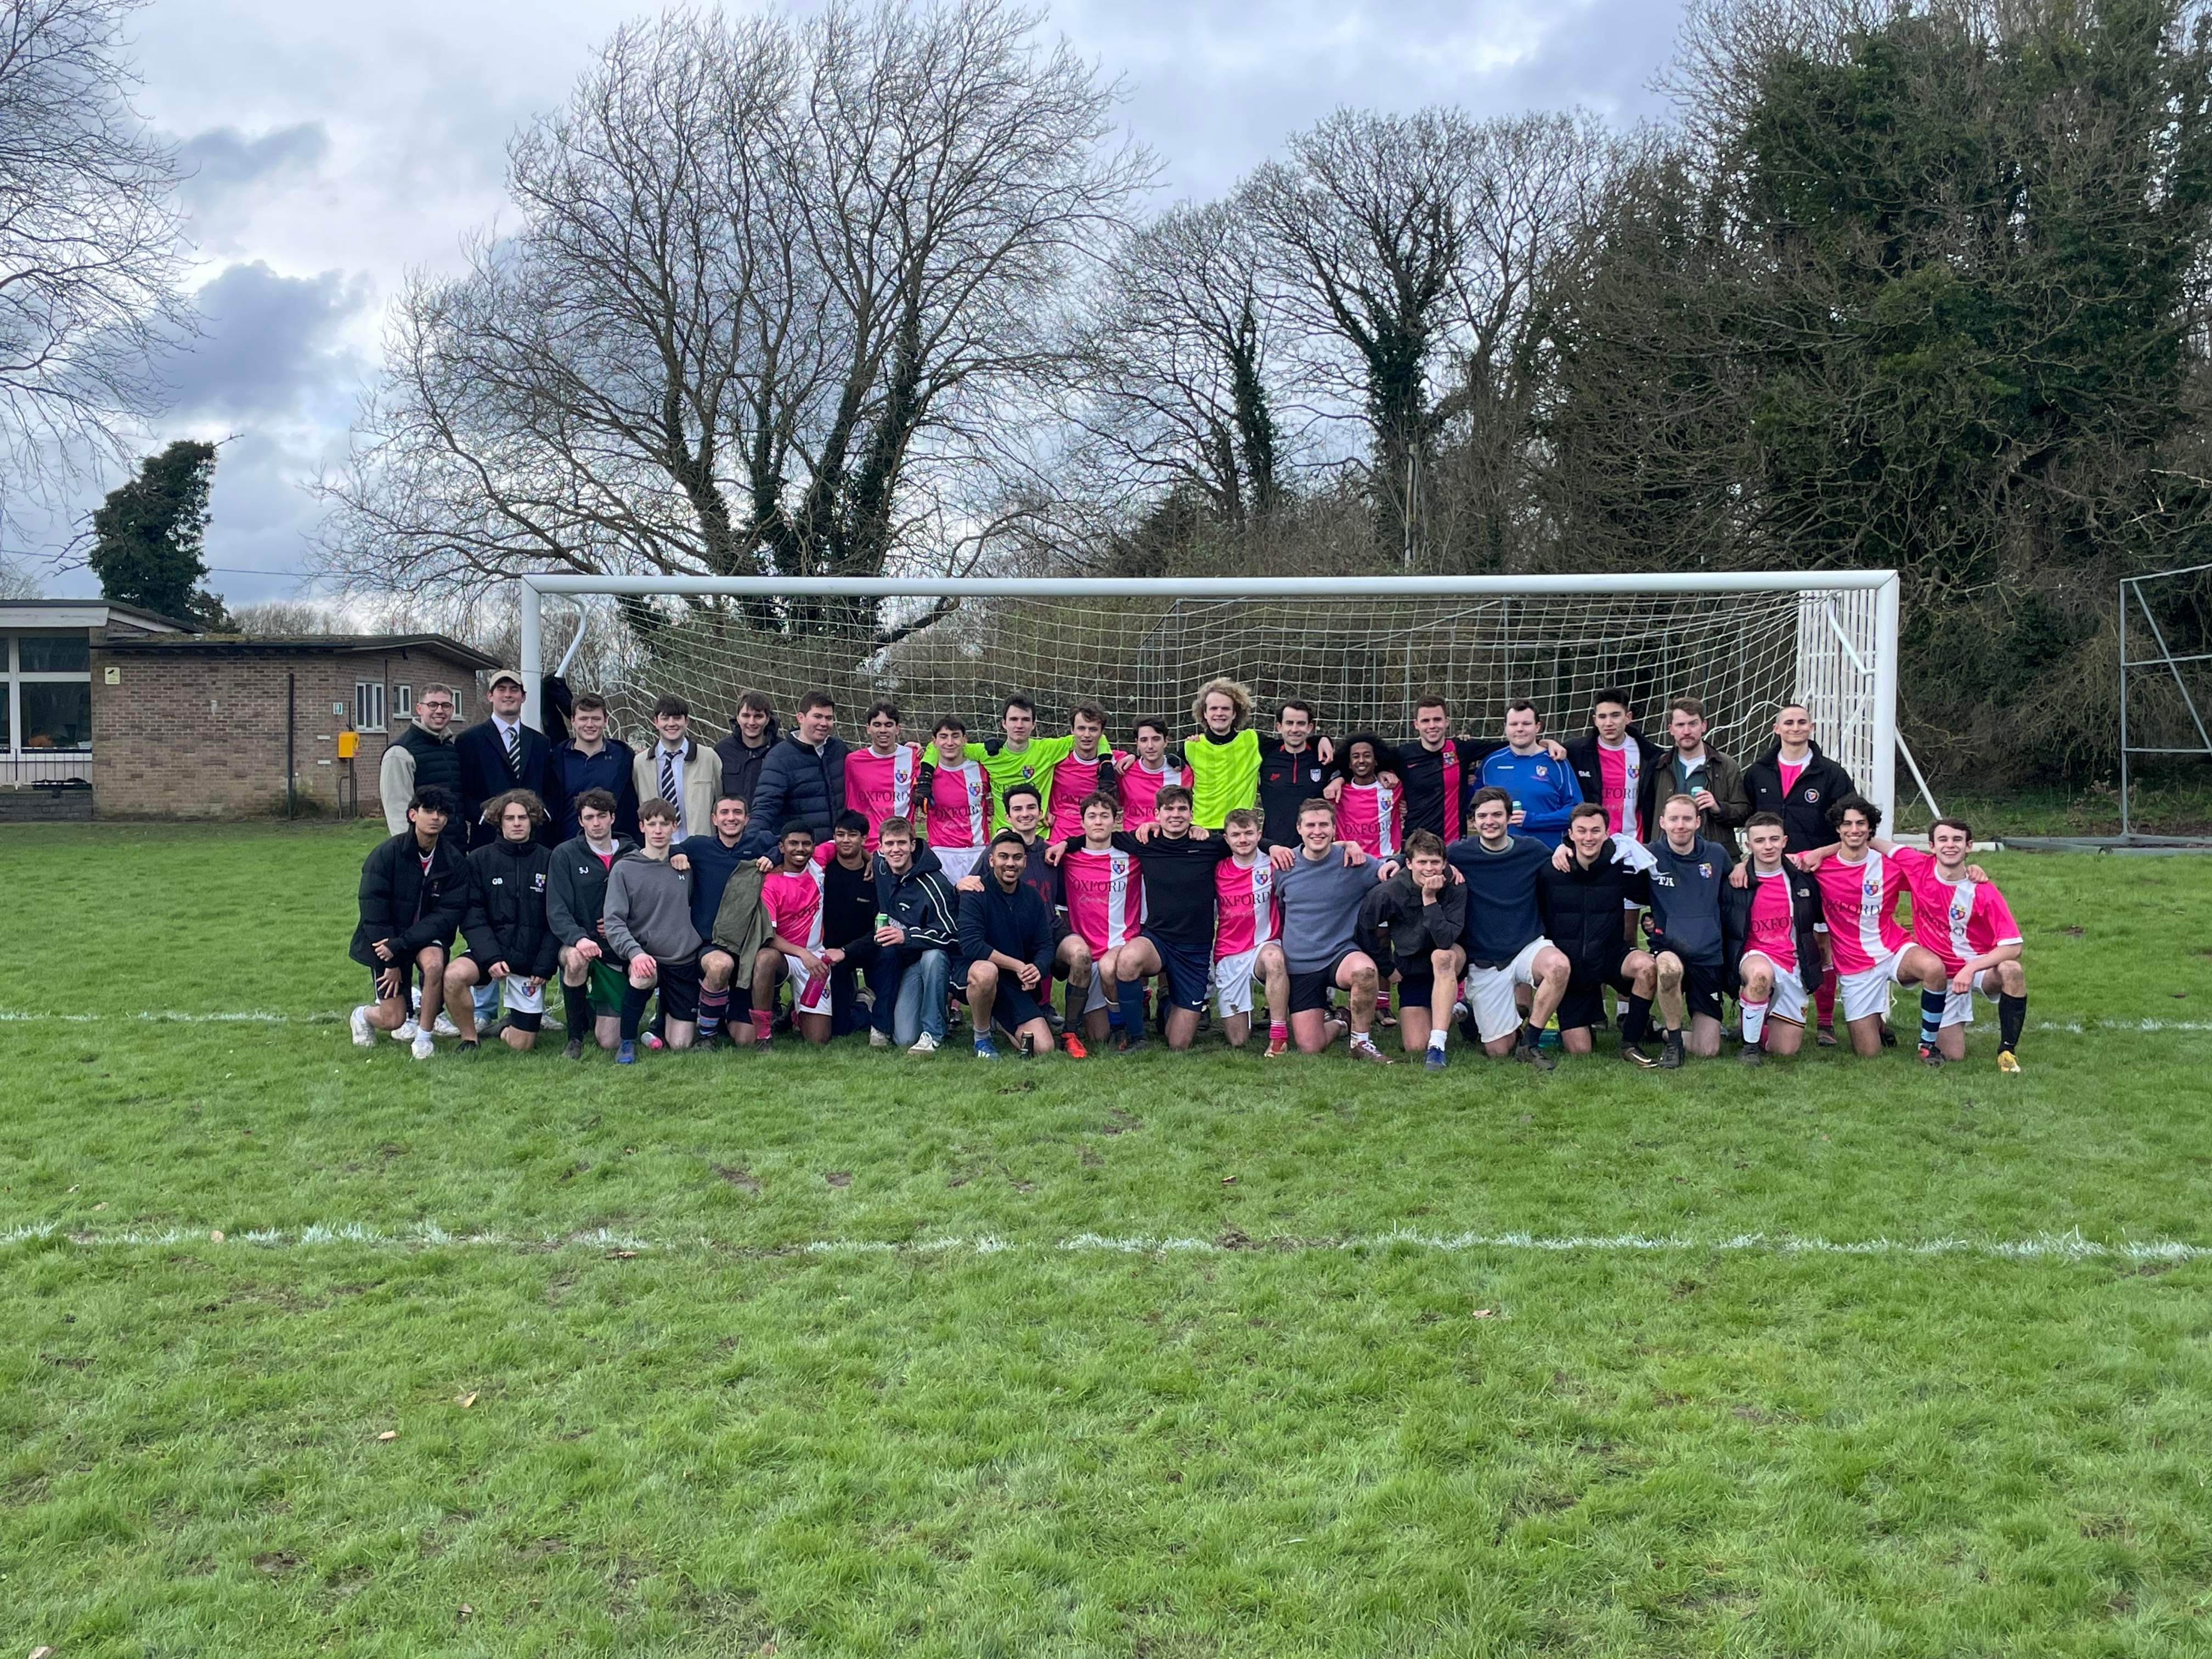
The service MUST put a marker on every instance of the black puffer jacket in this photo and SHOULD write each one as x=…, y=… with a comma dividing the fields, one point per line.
x=406, y=904
x=505, y=919
x=1583, y=909
x=798, y=782
x=1804, y=810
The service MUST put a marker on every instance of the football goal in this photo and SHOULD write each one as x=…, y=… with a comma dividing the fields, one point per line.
x=1362, y=651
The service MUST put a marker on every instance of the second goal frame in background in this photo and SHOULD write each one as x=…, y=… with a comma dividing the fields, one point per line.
x=1363, y=649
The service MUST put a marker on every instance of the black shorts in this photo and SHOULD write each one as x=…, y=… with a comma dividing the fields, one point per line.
x=1014, y=1007
x=1187, y=972
x=1701, y=990
x=1583, y=1004
x=407, y=968
x=1310, y=991
x=1415, y=993
x=679, y=984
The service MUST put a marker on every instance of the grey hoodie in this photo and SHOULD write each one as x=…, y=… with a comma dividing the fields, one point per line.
x=649, y=909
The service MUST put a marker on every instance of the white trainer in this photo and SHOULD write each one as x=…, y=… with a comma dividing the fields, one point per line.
x=445, y=1027
x=878, y=1039
x=364, y=1034
x=924, y=1044
x=406, y=1030
x=423, y=1047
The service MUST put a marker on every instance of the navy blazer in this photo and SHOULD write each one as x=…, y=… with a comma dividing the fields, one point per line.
x=484, y=773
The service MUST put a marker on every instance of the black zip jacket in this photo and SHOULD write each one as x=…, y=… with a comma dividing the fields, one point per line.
x=1804, y=810
x=1397, y=927
x=1582, y=755
x=741, y=765
x=504, y=917
x=404, y=903
x=1804, y=915
x=576, y=891
x=922, y=900
x=796, y=780
x=1582, y=907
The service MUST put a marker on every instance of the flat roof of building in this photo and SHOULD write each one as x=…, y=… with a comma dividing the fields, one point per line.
x=342, y=645
x=81, y=613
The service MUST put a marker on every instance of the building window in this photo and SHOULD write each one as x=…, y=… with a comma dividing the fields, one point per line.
x=402, y=701
x=45, y=694
x=369, y=705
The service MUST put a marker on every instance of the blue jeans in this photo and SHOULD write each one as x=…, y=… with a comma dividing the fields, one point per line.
x=912, y=987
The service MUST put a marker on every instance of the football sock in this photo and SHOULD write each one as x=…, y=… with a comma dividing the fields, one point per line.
x=1636, y=1022
x=1132, y=995
x=576, y=1008
x=1931, y=1015
x=1113, y=1016
x=1072, y=1004
x=1674, y=1034
x=634, y=997
x=1277, y=1032
x=1437, y=1039
x=1531, y=1033
x=713, y=1005
x=1754, y=1022
x=2012, y=1020
x=1825, y=998
x=763, y=1023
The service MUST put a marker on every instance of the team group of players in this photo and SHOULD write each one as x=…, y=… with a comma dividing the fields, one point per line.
x=1437, y=883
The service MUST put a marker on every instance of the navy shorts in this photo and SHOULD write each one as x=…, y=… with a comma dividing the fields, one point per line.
x=1187, y=971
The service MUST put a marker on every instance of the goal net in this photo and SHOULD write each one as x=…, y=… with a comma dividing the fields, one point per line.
x=1362, y=653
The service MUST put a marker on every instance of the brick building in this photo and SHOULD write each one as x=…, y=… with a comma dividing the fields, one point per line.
x=114, y=712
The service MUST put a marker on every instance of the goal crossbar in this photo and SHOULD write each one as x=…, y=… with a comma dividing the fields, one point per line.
x=1853, y=681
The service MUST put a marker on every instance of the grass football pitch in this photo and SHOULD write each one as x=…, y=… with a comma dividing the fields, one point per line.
x=309, y=1349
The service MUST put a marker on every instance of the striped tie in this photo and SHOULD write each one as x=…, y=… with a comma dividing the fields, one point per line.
x=669, y=793
x=515, y=751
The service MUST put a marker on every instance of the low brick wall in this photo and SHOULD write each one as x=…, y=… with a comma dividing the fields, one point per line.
x=45, y=805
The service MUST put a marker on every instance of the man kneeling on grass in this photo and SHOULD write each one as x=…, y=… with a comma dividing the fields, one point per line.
x=511, y=946
x=410, y=903
x=648, y=920
x=1007, y=940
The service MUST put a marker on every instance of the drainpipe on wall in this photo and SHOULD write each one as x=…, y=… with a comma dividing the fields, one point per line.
x=291, y=713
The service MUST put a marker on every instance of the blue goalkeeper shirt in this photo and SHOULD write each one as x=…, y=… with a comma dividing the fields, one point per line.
x=1542, y=787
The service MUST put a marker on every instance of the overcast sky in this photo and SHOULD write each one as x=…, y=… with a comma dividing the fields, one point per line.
x=338, y=145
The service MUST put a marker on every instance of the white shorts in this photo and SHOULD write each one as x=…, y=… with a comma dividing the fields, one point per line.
x=1232, y=986
x=1787, y=999
x=958, y=862
x=1958, y=1005
x=1490, y=991
x=809, y=995
x=1866, y=992
x=520, y=1000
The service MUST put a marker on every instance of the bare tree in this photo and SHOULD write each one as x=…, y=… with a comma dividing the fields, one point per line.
x=90, y=252
x=774, y=287
x=1178, y=354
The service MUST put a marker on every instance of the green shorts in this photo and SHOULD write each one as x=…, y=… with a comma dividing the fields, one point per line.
x=604, y=986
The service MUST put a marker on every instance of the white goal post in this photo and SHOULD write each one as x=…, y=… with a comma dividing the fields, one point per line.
x=1362, y=649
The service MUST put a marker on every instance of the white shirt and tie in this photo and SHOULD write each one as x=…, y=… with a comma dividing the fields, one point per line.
x=510, y=740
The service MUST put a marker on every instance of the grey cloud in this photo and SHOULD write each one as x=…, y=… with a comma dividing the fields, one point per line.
x=224, y=160
x=271, y=345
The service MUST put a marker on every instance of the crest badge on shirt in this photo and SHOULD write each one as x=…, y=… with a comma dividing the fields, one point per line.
x=1811, y=796
x=1705, y=871
x=1542, y=772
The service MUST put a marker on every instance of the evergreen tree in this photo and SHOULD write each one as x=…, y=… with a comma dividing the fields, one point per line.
x=147, y=536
